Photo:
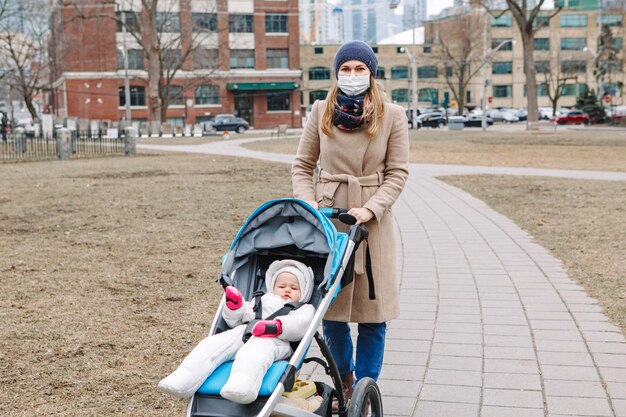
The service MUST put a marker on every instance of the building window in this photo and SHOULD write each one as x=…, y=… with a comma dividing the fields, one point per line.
x=468, y=96
x=449, y=72
x=241, y=23
x=504, y=67
x=207, y=94
x=168, y=22
x=400, y=50
x=541, y=21
x=541, y=44
x=242, y=58
x=278, y=58
x=317, y=95
x=503, y=91
x=573, y=20
x=319, y=73
x=615, y=65
x=430, y=95
x=205, y=58
x=428, y=49
x=428, y=71
x=137, y=96
x=278, y=100
x=204, y=22
x=504, y=21
x=276, y=23
x=318, y=51
x=400, y=73
x=542, y=67
x=128, y=17
x=175, y=95
x=135, y=59
x=507, y=44
x=617, y=44
x=172, y=58
x=573, y=65
x=400, y=95
x=610, y=19
x=573, y=44
x=573, y=89
x=375, y=49
x=380, y=73
x=542, y=90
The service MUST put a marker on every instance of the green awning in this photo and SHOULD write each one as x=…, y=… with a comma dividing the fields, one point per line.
x=261, y=86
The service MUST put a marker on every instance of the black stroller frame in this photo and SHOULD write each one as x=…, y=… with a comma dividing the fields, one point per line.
x=366, y=399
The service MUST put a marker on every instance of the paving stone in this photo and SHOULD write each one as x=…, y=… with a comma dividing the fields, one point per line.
x=457, y=349
x=512, y=366
x=409, y=334
x=620, y=407
x=507, y=341
x=491, y=411
x=617, y=390
x=403, y=372
x=594, y=336
x=602, y=347
x=579, y=406
x=399, y=389
x=565, y=335
x=600, y=326
x=509, y=397
x=455, y=363
x=565, y=358
x=560, y=346
x=403, y=345
x=452, y=377
x=405, y=358
x=498, y=352
x=613, y=374
x=563, y=388
x=506, y=330
x=461, y=394
x=401, y=406
x=445, y=409
x=464, y=338
x=572, y=373
x=610, y=360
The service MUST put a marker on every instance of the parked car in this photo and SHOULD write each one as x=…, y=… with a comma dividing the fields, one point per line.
x=477, y=121
x=230, y=123
x=546, y=113
x=435, y=119
x=574, y=117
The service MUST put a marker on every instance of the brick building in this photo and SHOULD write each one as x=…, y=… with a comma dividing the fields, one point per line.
x=238, y=57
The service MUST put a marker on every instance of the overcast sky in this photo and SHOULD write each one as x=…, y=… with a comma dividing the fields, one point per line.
x=435, y=6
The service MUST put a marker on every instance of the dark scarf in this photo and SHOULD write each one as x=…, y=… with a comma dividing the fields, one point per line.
x=348, y=112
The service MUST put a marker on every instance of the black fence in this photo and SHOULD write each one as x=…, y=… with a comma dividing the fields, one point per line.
x=25, y=146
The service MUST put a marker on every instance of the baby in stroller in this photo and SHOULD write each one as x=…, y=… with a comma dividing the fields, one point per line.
x=286, y=281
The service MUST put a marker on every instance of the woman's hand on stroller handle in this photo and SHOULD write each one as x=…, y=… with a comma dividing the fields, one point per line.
x=348, y=216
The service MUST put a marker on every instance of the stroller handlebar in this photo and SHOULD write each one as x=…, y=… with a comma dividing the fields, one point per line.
x=338, y=213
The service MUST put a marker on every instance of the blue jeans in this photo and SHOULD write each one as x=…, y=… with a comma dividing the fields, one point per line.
x=370, y=348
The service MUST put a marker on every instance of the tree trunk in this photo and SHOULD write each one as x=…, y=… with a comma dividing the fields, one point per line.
x=531, y=80
x=154, y=75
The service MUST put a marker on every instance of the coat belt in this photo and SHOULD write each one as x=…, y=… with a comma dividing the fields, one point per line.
x=355, y=185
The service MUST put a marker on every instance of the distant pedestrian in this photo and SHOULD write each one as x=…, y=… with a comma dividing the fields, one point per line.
x=4, y=126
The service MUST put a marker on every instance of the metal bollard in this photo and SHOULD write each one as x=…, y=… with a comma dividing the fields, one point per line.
x=63, y=139
x=130, y=142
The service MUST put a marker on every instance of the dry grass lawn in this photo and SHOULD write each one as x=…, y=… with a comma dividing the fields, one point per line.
x=567, y=149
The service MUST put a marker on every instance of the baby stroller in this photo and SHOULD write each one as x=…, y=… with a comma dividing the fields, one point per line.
x=280, y=229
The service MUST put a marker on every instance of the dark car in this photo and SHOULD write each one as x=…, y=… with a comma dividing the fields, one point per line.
x=230, y=123
x=477, y=121
x=575, y=117
x=435, y=119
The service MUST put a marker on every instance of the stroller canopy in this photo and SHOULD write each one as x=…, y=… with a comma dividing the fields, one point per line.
x=282, y=223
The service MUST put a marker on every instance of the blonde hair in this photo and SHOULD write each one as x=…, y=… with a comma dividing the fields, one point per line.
x=374, y=108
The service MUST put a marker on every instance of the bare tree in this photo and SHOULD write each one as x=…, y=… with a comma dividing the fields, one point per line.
x=528, y=20
x=24, y=34
x=557, y=74
x=461, y=52
x=167, y=46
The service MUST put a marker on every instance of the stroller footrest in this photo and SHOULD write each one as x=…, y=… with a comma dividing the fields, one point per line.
x=214, y=383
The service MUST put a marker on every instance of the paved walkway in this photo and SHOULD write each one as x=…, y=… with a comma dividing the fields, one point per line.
x=491, y=324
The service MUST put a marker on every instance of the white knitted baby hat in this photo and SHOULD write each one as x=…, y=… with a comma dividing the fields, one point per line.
x=300, y=270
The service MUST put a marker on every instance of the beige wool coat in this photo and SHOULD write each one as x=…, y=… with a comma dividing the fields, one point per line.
x=359, y=171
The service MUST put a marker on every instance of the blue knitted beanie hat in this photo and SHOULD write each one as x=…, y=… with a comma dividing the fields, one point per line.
x=358, y=50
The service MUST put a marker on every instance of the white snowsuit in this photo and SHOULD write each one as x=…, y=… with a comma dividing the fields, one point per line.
x=251, y=360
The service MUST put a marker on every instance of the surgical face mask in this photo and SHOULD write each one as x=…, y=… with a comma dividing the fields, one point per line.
x=353, y=85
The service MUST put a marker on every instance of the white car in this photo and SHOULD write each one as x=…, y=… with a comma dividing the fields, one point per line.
x=509, y=117
x=546, y=113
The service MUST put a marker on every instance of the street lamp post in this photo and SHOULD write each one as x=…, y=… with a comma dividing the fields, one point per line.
x=126, y=79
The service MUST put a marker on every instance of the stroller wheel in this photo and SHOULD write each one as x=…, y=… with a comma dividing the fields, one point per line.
x=366, y=400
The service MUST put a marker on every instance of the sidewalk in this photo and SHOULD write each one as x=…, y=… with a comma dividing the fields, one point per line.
x=491, y=324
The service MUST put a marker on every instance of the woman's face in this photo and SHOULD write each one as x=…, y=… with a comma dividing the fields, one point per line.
x=353, y=67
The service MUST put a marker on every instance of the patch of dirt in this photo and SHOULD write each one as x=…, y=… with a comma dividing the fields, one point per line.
x=108, y=275
x=582, y=222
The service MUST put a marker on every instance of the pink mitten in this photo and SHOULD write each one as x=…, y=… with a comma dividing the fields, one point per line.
x=234, y=299
x=267, y=328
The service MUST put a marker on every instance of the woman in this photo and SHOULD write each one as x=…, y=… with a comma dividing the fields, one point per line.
x=362, y=145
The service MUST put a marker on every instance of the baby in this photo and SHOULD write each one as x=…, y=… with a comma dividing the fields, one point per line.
x=286, y=281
